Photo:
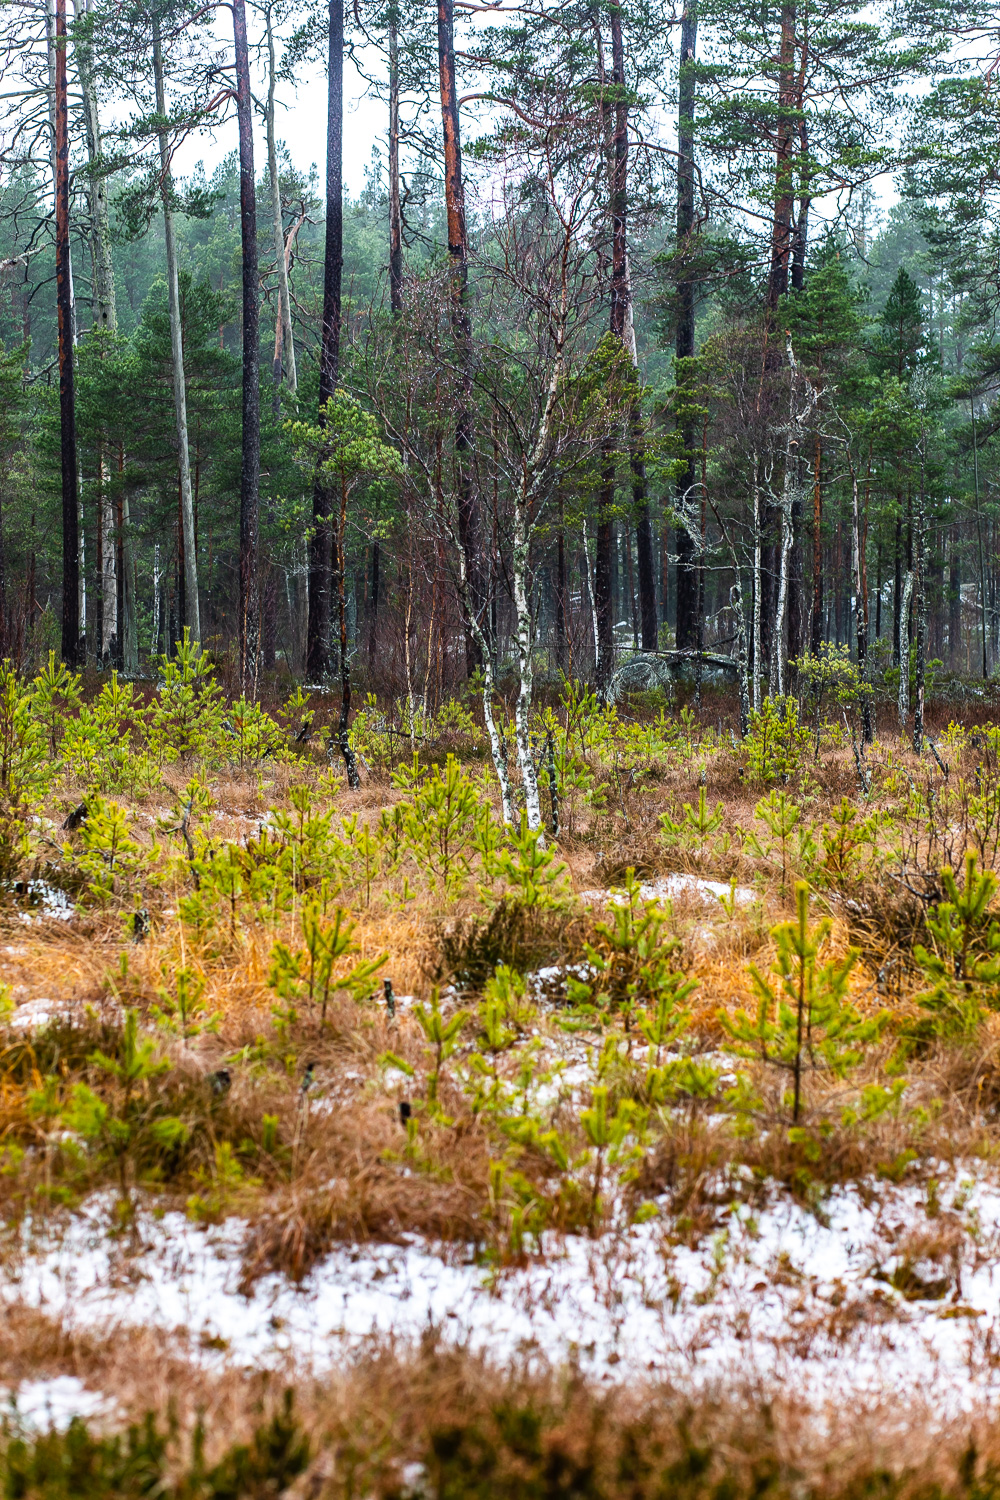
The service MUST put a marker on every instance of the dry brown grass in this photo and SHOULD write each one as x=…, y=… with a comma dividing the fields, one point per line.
x=441, y=1421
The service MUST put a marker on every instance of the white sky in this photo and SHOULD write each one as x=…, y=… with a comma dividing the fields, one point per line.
x=301, y=123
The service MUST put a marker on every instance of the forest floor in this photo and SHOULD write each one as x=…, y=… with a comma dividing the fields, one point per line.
x=665, y=1163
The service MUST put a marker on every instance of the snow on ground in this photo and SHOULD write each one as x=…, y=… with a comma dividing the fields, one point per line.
x=47, y=903
x=783, y=1295
x=44, y=1404
x=35, y=1015
x=666, y=887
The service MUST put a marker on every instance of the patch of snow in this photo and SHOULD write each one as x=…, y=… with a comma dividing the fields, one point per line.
x=665, y=887
x=668, y=886
x=53, y=1403
x=35, y=1015
x=778, y=1294
x=48, y=903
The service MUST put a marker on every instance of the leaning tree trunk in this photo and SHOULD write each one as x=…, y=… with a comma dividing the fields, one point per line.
x=192, y=612
x=321, y=562
x=469, y=517
x=249, y=603
x=687, y=569
x=64, y=309
x=282, y=365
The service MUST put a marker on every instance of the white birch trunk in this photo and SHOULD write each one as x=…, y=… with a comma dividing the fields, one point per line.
x=522, y=717
x=191, y=605
x=128, y=626
x=155, y=642
x=590, y=584
x=493, y=733
x=903, y=700
x=82, y=585
x=109, y=581
x=793, y=441
x=778, y=650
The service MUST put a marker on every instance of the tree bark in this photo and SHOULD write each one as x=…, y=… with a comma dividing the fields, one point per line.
x=954, y=600
x=343, y=724
x=687, y=570
x=979, y=539
x=561, y=632
x=395, y=205
x=105, y=319
x=816, y=624
x=284, y=364
x=920, y=609
x=604, y=561
x=861, y=608
x=321, y=548
x=104, y=310
x=192, y=612
x=903, y=649
x=758, y=583
x=64, y=308
x=249, y=603
x=469, y=516
x=621, y=287
x=784, y=187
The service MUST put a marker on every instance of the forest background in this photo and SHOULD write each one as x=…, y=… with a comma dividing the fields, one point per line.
x=618, y=348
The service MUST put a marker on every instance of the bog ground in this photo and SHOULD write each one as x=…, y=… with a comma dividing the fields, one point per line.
x=357, y=1143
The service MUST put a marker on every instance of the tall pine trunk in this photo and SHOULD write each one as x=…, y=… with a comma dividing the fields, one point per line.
x=860, y=582
x=64, y=309
x=637, y=435
x=249, y=605
x=284, y=362
x=192, y=612
x=395, y=203
x=103, y=289
x=604, y=562
x=321, y=548
x=469, y=516
x=687, y=568
x=920, y=606
x=105, y=320
x=784, y=185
